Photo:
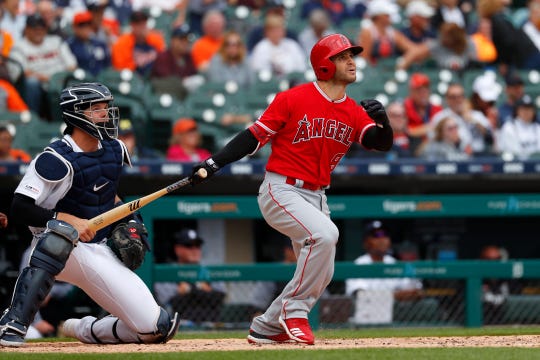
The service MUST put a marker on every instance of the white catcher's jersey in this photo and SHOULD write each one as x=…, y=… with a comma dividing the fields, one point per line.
x=95, y=269
x=46, y=193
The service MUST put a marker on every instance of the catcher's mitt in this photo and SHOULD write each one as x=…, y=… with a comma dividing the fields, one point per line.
x=128, y=242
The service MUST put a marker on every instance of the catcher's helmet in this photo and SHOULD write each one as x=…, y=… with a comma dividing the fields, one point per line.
x=324, y=49
x=75, y=99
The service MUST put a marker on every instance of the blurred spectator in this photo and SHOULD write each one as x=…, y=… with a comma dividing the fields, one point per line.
x=7, y=153
x=520, y=137
x=213, y=27
x=199, y=9
x=10, y=99
x=419, y=108
x=449, y=11
x=12, y=21
x=196, y=302
x=494, y=291
x=174, y=8
x=106, y=29
x=445, y=145
x=230, y=63
x=375, y=297
x=514, y=48
x=137, y=152
x=41, y=56
x=6, y=43
x=174, y=69
x=120, y=10
x=48, y=11
x=514, y=90
x=256, y=34
x=318, y=27
x=276, y=53
x=532, y=30
x=93, y=55
x=185, y=142
x=137, y=49
x=486, y=53
x=398, y=121
x=419, y=14
x=379, y=38
x=475, y=130
x=485, y=94
x=453, y=49
x=336, y=9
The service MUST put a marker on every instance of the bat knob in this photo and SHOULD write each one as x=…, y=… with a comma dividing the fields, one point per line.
x=202, y=173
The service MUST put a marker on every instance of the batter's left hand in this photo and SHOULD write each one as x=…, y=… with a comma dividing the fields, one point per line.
x=375, y=110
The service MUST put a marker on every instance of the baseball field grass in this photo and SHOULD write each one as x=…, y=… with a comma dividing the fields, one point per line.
x=490, y=343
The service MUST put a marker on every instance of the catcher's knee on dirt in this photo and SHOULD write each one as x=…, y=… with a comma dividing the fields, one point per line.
x=166, y=329
x=35, y=281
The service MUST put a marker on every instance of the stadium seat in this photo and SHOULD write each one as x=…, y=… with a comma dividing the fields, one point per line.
x=35, y=135
x=125, y=82
x=163, y=111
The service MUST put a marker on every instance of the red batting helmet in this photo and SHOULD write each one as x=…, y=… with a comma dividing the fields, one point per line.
x=324, y=49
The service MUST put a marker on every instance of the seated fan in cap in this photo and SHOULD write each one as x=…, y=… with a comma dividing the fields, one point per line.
x=137, y=49
x=378, y=36
x=41, y=56
x=375, y=297
x=199, y=301
x=186, y=142
x=520, y=137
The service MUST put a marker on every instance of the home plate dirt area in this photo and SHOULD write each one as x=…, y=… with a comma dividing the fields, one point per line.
x=191, y=345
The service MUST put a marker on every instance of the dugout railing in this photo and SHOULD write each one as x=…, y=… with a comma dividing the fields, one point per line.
x=453, y=288
x=471, y=273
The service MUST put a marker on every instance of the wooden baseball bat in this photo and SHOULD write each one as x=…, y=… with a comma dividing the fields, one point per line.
x=119, y=212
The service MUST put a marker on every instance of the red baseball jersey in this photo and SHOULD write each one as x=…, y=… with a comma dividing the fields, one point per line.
x=310, y=133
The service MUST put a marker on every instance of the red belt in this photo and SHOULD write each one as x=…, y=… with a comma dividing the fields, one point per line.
x=302, y=184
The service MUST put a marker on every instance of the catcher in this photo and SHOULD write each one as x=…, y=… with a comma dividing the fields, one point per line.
x=73, y=180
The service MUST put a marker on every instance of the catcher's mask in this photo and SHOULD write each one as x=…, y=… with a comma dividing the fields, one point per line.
x=76, y=100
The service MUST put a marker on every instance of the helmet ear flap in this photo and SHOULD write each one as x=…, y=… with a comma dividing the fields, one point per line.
x=326, y=70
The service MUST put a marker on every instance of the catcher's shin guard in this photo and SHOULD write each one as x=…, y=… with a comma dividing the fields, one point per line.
x=32, y=286
x=35, y=281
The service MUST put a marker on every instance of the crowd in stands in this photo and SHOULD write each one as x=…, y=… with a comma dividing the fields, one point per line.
x=180, y=47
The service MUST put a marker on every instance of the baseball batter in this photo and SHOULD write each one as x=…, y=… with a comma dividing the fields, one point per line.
x=311, y=127
x=73, y=180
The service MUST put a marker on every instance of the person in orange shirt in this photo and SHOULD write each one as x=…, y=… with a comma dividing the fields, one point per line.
x=13, y=100
x=207, y=45
x=485, y=49
x=6, y=42
x=137, y=50
x=7, y=153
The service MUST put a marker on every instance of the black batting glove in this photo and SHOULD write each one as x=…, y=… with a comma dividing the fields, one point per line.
x=209, y=165
x=375, y=110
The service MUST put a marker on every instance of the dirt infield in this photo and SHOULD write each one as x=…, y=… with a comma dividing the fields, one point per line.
x=532, y=341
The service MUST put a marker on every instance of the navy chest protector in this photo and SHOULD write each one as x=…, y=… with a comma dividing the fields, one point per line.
x=95, y=181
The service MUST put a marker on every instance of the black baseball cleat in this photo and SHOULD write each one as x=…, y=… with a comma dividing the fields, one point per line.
x=12, y=334
x=175, y=322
